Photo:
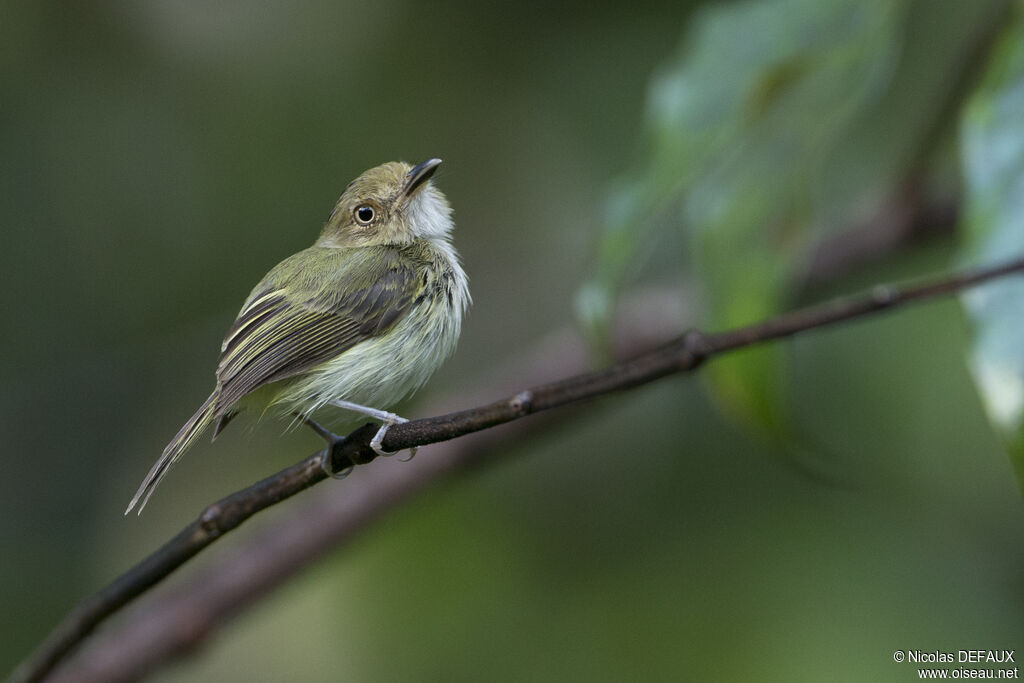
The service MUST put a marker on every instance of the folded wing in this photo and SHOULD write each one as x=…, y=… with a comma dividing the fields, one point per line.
x=278, y=335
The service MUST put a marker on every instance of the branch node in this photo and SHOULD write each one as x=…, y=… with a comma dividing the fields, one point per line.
x=883, y=295
x=522, y=403
x=695, y=343
x=209, y=521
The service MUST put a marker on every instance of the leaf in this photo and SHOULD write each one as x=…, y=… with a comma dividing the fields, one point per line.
x=779, y=123
x=739, y=125
x=992, y=147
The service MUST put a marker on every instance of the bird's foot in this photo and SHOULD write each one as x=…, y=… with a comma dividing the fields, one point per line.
x=376, y=443
x=387, y=421
x=334, y=442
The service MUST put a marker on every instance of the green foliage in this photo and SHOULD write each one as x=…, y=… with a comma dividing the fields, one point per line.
x=737, y=137
x=750, y=148
x=776, y=124
x=160, y=157
x=993, y=160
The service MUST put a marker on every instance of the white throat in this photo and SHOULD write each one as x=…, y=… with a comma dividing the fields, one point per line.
x=429, y=214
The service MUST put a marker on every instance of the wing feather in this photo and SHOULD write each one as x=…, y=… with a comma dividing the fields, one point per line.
x=276, y=337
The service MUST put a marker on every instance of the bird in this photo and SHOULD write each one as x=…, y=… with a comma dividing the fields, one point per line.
x=359, y=320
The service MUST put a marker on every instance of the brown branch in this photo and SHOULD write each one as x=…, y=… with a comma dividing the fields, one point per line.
x=650, y=315
x=183, y=619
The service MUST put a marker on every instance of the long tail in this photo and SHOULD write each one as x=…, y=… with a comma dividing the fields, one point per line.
x=181, y=441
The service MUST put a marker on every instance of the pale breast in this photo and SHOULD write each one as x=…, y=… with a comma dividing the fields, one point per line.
x=383, y=370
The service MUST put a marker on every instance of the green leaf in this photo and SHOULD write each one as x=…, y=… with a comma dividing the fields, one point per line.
x=992, y=139
x=779, y=123
x=739, y=126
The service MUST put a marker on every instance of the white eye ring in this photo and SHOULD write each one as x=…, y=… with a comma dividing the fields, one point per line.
x=365, y=214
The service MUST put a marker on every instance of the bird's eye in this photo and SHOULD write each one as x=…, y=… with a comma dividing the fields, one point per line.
x=365, y=214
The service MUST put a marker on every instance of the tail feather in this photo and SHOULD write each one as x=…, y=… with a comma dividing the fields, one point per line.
x=181, y=441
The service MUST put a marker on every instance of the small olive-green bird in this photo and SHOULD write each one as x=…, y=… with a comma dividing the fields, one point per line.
x=359, y=320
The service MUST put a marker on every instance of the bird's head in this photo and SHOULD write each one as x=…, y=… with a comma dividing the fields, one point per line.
x=394, y=203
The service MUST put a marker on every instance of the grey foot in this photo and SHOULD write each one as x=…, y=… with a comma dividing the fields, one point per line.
x=387, y=420
x=377, y=443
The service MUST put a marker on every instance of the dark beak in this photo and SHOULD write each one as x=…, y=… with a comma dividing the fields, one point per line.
x=419, y=175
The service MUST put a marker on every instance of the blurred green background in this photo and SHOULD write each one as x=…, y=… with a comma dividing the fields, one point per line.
x=795, y=514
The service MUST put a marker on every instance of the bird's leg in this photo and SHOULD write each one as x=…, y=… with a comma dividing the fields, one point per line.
x=333, y=441
x=387, y=420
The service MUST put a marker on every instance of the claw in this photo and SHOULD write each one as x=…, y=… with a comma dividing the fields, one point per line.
x=325, y=465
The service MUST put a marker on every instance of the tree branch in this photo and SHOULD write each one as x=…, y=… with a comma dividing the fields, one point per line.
x=172, y=626
x=650, y=315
